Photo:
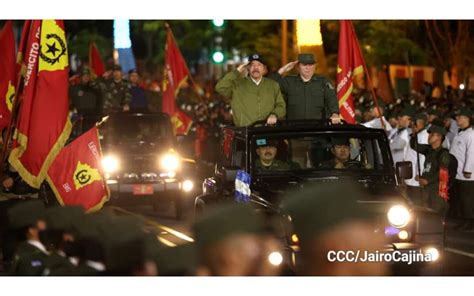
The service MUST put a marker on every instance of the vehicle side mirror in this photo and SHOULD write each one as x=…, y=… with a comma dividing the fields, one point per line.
x=404, y=169
x=227, y=173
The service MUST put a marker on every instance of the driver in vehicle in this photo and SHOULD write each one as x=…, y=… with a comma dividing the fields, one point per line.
x=341, y=150
x=266, y=151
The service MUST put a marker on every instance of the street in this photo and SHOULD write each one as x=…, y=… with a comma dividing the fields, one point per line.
x=458, y=259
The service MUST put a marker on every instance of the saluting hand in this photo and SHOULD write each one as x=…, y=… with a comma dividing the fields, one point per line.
x=286, y=68
x=242, y=67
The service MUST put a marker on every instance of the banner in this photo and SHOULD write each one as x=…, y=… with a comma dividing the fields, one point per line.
x=349, y=64
x=43, y=125
x=76, y=175
x=176, y=73
x=7, y=73
x=96, y=65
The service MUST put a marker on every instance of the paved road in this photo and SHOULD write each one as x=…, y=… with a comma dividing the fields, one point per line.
x=458, y=258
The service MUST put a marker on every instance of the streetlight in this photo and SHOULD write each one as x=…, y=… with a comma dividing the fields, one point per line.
x=218, y=57
x=218, y=23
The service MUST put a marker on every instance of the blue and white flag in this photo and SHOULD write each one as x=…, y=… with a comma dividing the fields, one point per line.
x=242, y=186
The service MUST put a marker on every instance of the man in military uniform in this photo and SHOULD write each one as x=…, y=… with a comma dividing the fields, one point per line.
x=438, y=169
x=463, y=149
x=309, y=96
x=27, y=219
x=341, y=150
x=86, y=99
x=231, y=241
x=115, y=92
x=326, y=219
x=266, y=151
x=253, y=97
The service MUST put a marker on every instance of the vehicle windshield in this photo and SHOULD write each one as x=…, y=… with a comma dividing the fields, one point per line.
x=334, y=152
x=137, y=128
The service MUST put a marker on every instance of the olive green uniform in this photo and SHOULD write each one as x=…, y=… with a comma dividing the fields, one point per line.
x=28, y=260
x=276, y=165
x=314, y=99
x=434, y=161
x=251, y=102
x=57, y=265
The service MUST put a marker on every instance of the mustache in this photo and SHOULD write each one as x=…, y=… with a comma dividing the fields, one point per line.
x=268, y=154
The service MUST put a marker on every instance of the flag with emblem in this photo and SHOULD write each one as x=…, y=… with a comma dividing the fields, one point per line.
x=175, y=74
x=95, y=61
x=42, y=126
x=242, y=186
x=76, y=175
x=349, y=64
x=7, y=73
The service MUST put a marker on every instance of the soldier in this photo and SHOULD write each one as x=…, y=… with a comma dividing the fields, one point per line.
x=413, y=189
x=327, y=219
x=86, y=99
x=59, y=235
x=27, y=219
x=253, y=97
x=115, y=92
x=309, y=96
x=439, y=168
x=266, y=151
x=463, y=149
x=230, y=241
x=400, y=139
x=378, y=117
x=341, y=150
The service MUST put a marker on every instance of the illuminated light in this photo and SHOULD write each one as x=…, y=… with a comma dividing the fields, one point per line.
x=122, y=34
x=218, y=57
x=170, y=162
x=294, y=238
x=111, y=182
x=403, y=235
x=218, y=23
x=187, y=185
x=398, y=216
x=433, y=252
x=110, y=163
x=275, y=258
x=168, y=175
x=308, y=33
x=462, y=86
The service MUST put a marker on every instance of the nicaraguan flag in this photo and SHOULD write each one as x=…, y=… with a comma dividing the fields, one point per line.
x=242, y=186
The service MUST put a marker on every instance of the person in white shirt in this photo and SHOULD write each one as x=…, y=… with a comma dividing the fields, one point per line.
x=413, y=188
x=378, y=118
x=462, y=148
x=400, y=138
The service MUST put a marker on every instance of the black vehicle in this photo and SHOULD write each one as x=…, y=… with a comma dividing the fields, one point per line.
x=305, y=152
x=143, y=162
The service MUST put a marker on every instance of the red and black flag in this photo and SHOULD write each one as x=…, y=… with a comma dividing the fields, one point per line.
x=175, y=75
x=43, y=125
x=76, y=175
x=349, y=64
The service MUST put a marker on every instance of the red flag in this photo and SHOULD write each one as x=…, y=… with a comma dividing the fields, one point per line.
x=95, y=61
x=7, y=73
x=76, y=175
x=43, y=125
x=176, y=73
x=349, y=63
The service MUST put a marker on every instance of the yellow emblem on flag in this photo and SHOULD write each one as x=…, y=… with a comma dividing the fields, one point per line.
x=10, y=95
x=53, y=49
x=85, y=175
x=339, y=70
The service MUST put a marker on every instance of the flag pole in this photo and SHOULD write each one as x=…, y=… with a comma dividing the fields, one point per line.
x=168, y=28
x=16, y=102
x=369, y=80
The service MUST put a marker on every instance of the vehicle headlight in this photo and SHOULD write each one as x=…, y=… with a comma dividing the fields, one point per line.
x=187, y=185
x=170, y=162
x=398, y=216
x=110, y=163
x=275, y=258
x=433, y=252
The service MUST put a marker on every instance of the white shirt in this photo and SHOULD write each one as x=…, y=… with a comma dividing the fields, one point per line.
x=412, y=156
x=462, y=148
x=38, y=245
x=399, y=144
x=375, y=123
x=255, y=81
